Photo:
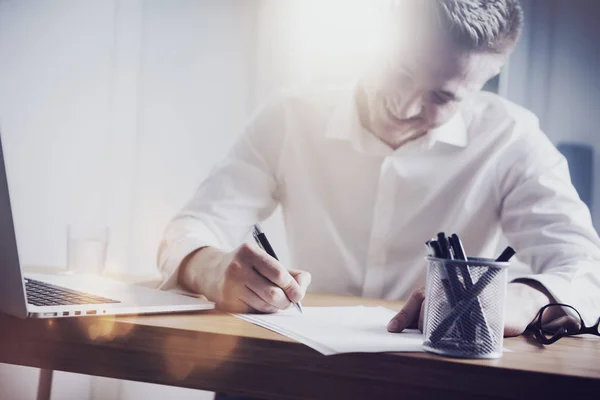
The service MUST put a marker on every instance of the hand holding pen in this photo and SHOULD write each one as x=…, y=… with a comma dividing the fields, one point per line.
x=244, y=280
x=263, y=242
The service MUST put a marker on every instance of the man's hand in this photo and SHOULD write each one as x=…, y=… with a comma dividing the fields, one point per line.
x=244, y=280
x=523, y=301
x=411, y=315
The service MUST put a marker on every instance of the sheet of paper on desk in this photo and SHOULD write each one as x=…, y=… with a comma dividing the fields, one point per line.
x=335, y=330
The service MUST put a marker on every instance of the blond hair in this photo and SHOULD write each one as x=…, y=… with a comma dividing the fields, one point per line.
x=481, y=25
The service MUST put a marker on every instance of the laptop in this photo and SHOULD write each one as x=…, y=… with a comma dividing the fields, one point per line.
x=54, y=295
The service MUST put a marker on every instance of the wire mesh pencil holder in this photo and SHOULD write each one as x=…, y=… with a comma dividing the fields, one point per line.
x=464, y=307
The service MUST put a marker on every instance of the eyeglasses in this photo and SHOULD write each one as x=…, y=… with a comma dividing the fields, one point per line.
x=555, y=321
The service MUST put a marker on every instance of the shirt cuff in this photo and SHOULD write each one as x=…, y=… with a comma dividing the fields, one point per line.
x=171, y=255
x=563, y=291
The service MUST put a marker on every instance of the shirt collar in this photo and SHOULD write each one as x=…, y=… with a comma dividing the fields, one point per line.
x=453, y=132
x=345, y=124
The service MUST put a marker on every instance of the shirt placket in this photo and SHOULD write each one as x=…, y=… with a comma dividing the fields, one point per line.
x=377, y=252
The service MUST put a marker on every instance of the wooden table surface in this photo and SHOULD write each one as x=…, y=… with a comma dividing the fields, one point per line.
x=215, y=351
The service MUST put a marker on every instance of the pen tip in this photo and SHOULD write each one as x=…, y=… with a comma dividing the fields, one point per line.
x=257, y=228
x=299, y=307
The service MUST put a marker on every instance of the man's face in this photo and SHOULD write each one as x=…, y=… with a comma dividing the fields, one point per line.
x=412, y=95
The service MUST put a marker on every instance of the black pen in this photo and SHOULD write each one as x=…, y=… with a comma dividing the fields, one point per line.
x=479, y=315
x=459, y=254
x=435, y=246
x=263, y=242
x=470, y=296
x=434, y=250
x=455, y=284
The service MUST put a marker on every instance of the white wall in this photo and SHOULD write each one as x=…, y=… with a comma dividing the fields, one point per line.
x=54, y=97
x=113, y=111
x=18, y=383
x=55, y=79
x=194, y=98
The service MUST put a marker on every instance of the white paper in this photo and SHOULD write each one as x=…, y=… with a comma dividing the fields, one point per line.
x=335, y=330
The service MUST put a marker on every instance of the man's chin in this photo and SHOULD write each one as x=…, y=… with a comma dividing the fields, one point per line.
x=403, y=123
x=406, y=125
x=393, y=133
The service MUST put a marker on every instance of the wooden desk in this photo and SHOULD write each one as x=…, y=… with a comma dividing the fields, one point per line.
x=215, y=351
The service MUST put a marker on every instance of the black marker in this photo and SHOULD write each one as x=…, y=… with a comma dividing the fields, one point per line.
x=506, y=254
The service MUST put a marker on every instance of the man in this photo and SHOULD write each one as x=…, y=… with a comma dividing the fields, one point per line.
x=366, y=176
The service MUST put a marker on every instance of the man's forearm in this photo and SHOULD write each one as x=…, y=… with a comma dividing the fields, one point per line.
x=199, y=272
x=524, y=298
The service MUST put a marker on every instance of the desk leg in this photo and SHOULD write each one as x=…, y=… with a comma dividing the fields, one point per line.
x=45, y=384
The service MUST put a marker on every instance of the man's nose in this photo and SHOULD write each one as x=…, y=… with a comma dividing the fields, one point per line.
x=412, y=107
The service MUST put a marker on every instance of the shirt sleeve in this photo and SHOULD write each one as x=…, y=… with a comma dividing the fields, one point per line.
x=240, y=191
x=548, y=225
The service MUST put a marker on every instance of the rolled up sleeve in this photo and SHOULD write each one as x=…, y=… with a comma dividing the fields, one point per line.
x=240, y=191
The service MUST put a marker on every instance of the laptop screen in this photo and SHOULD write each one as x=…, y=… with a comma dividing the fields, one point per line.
x=12, y=290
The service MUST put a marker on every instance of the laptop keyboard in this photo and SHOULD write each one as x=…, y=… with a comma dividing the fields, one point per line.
x=45, y=294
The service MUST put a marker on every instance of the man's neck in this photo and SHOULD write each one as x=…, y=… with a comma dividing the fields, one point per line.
x=399, y=139
x=394, y=139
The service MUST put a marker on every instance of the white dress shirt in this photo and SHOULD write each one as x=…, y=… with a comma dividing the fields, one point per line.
x=357, y=213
